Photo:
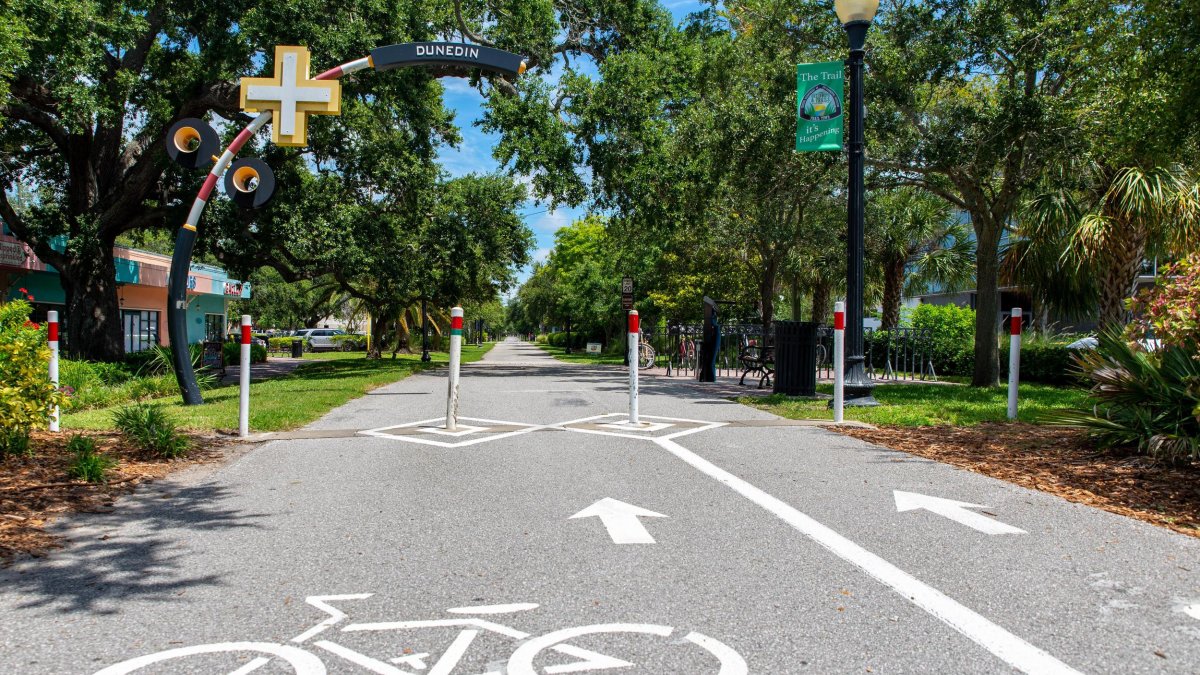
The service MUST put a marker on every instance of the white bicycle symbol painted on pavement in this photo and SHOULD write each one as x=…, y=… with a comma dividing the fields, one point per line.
x=470, y=625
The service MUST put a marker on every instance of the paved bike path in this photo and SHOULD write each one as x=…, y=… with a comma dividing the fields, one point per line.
x=820, y=580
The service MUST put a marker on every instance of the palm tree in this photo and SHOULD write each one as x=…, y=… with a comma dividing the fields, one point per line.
x=912, y=233
x=1105, y=232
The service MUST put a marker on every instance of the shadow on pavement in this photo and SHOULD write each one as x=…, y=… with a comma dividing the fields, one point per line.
x=143, y=564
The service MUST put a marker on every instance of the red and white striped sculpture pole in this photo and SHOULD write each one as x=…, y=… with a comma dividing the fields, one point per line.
x=1014, y=362
x=634, y=332
x=839, y=361
x=456, y=331
x=52, y=334
x=244, y=380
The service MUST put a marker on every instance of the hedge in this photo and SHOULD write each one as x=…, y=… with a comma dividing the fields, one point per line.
x=233, y=353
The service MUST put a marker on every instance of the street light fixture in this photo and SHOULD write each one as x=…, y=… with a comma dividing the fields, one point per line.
x=856, y=17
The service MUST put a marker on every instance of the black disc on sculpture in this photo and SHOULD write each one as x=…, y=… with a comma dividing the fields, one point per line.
x=250, y=183
x=192, y=143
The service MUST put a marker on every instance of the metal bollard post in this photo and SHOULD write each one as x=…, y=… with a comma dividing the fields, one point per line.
x=456, y=331
x=634, y=331
x=52, y=334
x=244, y=380
x=1014, y=362
x=839, y=361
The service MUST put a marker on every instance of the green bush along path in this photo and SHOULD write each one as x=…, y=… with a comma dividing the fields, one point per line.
x=915, y=405
x=290, y=401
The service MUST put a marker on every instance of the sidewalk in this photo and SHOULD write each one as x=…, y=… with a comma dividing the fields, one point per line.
x=275, y=366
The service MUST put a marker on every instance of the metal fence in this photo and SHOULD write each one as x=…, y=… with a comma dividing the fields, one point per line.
x=896, y=354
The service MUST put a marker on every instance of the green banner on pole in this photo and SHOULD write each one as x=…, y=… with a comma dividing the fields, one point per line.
x=819, y=106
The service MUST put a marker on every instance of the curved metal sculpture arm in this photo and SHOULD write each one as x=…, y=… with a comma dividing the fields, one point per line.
x=185, y=241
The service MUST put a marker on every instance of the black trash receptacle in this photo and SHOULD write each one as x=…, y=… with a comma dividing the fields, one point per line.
x=796, y=358
x=297, y=348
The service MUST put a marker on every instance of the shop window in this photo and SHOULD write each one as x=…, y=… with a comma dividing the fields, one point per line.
x=214, y=327
x=141, y=329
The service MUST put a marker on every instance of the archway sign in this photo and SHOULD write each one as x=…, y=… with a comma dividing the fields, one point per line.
x=286, y=100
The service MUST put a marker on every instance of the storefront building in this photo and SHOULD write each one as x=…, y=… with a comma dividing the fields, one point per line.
x=141, y=293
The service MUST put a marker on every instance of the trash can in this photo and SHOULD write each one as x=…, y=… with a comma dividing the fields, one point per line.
x=297, y=348
x=796, y=358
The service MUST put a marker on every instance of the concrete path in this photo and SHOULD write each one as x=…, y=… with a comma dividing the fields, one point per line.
x=546, y=537
x=275, y=366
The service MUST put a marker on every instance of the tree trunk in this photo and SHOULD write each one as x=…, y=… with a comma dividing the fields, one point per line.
x=820, y=303
x=379, y=332
x=766, y=291
x=1118, y=276
x=796, y=299
x=94, y=330
x=987, y=301
x=893, y=285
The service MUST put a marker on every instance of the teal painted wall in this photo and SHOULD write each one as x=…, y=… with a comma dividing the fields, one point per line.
x=197, y=307
x=43, y=286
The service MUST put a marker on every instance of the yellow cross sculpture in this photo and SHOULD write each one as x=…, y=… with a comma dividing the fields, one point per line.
x=291, y=96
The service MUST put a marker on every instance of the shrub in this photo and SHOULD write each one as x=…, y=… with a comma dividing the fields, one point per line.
x=27, y=396
x=349, y=343
x=233, y=353
x=1146, y=401
x=150, y=429
x=1043, y=359
x=284, y=344
x=950, y=332
x=559, y=339
x=540, y=339
x=1170, y=311
x=14, y=442
x=87, y=464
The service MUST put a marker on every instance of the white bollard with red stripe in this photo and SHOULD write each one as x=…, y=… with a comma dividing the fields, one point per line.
x=839, y=361
x=1014, y=362
x=244, y=380
x=634, y=332
x=52, y=334
x=456, y=331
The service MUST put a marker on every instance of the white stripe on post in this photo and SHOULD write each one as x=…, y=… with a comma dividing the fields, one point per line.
x=456, y=325
x=1014, y=362
x=634, y=331
x=244, y=380
x=839, y=361
x=52, y=334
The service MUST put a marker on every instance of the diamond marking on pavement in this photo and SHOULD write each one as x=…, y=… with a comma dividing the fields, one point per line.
x=433, y=432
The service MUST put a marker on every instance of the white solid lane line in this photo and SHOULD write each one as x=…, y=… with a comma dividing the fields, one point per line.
x=1003, y=644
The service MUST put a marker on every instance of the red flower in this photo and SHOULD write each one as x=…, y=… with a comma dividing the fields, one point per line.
x=23, y=291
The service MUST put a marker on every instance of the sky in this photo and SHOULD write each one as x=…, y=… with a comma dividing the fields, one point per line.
x=474, y=153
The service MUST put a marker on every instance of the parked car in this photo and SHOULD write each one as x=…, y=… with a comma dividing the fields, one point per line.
x=1091, y=342
x=320, y=339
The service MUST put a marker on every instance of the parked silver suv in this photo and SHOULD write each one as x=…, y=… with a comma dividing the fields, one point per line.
x=320, y=339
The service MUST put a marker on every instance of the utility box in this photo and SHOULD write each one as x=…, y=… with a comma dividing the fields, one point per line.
x=796, y=358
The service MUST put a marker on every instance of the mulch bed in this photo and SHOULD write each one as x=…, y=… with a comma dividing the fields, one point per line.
x=1059, y=461
x=35, y=490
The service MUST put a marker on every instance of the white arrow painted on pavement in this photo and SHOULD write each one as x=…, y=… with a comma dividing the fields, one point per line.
x=954, y=510
x=621, y=520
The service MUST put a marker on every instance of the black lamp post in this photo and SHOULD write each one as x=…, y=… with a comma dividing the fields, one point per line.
x=856, y=16
x=425, y=332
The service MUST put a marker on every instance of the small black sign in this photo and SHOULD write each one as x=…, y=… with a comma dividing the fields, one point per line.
x=626, y=302
x=446, y=54
x=214, y=356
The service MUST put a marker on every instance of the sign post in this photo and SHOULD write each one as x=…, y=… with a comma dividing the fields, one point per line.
x=456, y=331
x=839, y=361
x=634, y=331
x=819, y=106
x=1014, y=362
x=52, y=335
x=244, y=380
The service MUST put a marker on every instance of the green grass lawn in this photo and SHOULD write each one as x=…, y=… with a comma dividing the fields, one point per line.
x=294, y=400
x=915, y=405
x=581, y=356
